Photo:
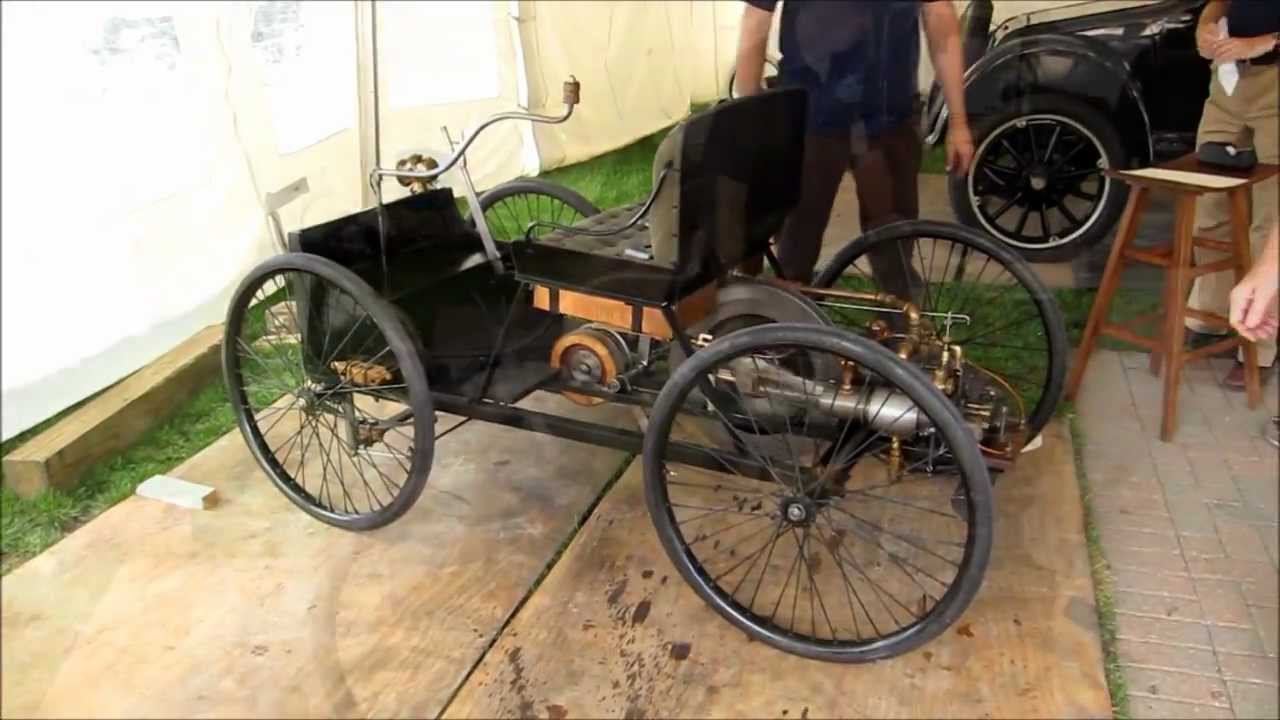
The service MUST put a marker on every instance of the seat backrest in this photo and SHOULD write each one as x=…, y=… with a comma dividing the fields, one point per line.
x=735, y=174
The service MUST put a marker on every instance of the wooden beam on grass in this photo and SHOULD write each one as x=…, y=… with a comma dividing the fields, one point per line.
x=116, y=418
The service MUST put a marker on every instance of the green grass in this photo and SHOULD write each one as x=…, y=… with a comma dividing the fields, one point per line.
x=29, y=526
x=933, y=161
x=1103, y=583
x=616, y=178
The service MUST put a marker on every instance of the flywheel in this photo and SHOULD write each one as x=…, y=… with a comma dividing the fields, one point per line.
x=590, y=355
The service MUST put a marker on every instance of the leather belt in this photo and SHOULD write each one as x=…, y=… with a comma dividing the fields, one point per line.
x=1268, y=59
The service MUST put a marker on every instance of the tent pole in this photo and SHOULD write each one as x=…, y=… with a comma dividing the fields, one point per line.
x=367, y=87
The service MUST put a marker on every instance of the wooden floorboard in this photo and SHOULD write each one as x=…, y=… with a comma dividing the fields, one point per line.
x=614, y=632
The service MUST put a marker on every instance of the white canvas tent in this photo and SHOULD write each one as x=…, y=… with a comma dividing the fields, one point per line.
x=141, y=138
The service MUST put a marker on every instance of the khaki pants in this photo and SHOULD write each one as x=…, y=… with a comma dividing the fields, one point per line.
x=1249, y=116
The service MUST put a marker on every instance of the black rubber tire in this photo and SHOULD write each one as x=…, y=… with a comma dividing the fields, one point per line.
x=408, y=357
x=908, y=379
x=1111, y=145
x=1050, y=313
x=534, y=186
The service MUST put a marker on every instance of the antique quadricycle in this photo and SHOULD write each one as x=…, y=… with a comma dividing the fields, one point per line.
x=817, y=459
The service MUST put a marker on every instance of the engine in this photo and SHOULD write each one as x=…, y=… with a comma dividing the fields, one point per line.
x=602, y=359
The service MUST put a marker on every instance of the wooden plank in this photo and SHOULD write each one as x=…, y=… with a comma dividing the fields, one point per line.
x=619, y=314
x=254, y=609
x=116, y=418
x=614, y=631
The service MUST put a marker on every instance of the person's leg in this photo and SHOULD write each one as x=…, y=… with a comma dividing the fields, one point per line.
x=886, y=177
x=1263, y=100
x=1221, y=121
x=800, y=241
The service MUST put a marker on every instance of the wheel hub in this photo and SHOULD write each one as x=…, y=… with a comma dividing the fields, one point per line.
x=798, y=511
x=310, y=402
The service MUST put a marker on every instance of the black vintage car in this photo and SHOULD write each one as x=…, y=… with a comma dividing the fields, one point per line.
x=1056, y=95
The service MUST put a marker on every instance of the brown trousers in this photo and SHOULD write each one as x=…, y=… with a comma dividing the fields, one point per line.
x=885, y=174
x=1249, y=116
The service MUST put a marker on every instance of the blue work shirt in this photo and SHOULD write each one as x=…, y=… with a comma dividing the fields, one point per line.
x=857, y=58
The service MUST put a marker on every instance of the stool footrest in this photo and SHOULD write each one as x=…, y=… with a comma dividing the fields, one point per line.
x=1208, y=317
x=1160, y=256
x=1120, y=332
x=1212, y=348
x=1211, y=244
x=1213, y=267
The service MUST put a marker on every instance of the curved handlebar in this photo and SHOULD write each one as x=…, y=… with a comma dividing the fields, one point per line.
x=571, y=93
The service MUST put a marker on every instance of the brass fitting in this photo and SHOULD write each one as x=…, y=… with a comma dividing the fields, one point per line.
x=895, y=458
x=847, y=373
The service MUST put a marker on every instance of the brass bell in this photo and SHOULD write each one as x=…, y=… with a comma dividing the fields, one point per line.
x=416, y=162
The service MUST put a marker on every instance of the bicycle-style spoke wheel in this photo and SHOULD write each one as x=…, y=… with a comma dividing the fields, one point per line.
x=510, y=207
x=980, y=294
x=856, y=528
x=329, y=391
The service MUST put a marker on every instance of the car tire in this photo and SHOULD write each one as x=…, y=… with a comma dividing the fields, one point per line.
x=1050, y=185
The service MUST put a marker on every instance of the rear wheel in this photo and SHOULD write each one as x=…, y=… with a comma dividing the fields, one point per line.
x=983, y=295
x=855, y=524
x=329, y=391
x=1036, y=182
x=511, y=206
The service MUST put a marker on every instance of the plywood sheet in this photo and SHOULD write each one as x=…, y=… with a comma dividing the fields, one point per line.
x=253, y=609
x=614, y=632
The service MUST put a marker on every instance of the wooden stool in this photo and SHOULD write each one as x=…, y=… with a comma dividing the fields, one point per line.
x=1179, y=269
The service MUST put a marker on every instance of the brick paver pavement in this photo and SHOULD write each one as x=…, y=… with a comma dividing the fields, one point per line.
x=1190, y=531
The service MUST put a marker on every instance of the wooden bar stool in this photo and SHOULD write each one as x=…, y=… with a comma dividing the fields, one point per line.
x=1179, y=269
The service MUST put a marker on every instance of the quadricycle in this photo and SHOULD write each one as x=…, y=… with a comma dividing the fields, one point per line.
x=817, y=457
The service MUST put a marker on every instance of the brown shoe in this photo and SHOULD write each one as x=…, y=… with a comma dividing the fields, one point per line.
x=1235, y=378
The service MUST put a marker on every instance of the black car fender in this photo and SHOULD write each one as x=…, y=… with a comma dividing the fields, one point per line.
x=1062, y=64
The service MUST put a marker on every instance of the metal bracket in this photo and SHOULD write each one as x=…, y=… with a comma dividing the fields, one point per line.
x=477, y=214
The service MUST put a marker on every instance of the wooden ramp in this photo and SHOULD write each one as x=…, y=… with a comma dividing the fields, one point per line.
x=614, y=632
x=253, y=609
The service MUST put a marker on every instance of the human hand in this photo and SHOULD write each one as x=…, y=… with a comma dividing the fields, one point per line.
x=959, y=148
x=1254, y=312
x=1242, y=48
x=1208, y=40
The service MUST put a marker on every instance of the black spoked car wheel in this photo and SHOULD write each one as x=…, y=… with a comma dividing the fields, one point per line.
x=329, y=391
x=511, y=206
x=1037, y=182
x=857, y=529
x=981, y=294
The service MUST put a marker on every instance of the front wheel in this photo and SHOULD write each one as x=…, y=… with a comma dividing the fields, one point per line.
x=329, y=392
x=858, y=528
x=1036, y=181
